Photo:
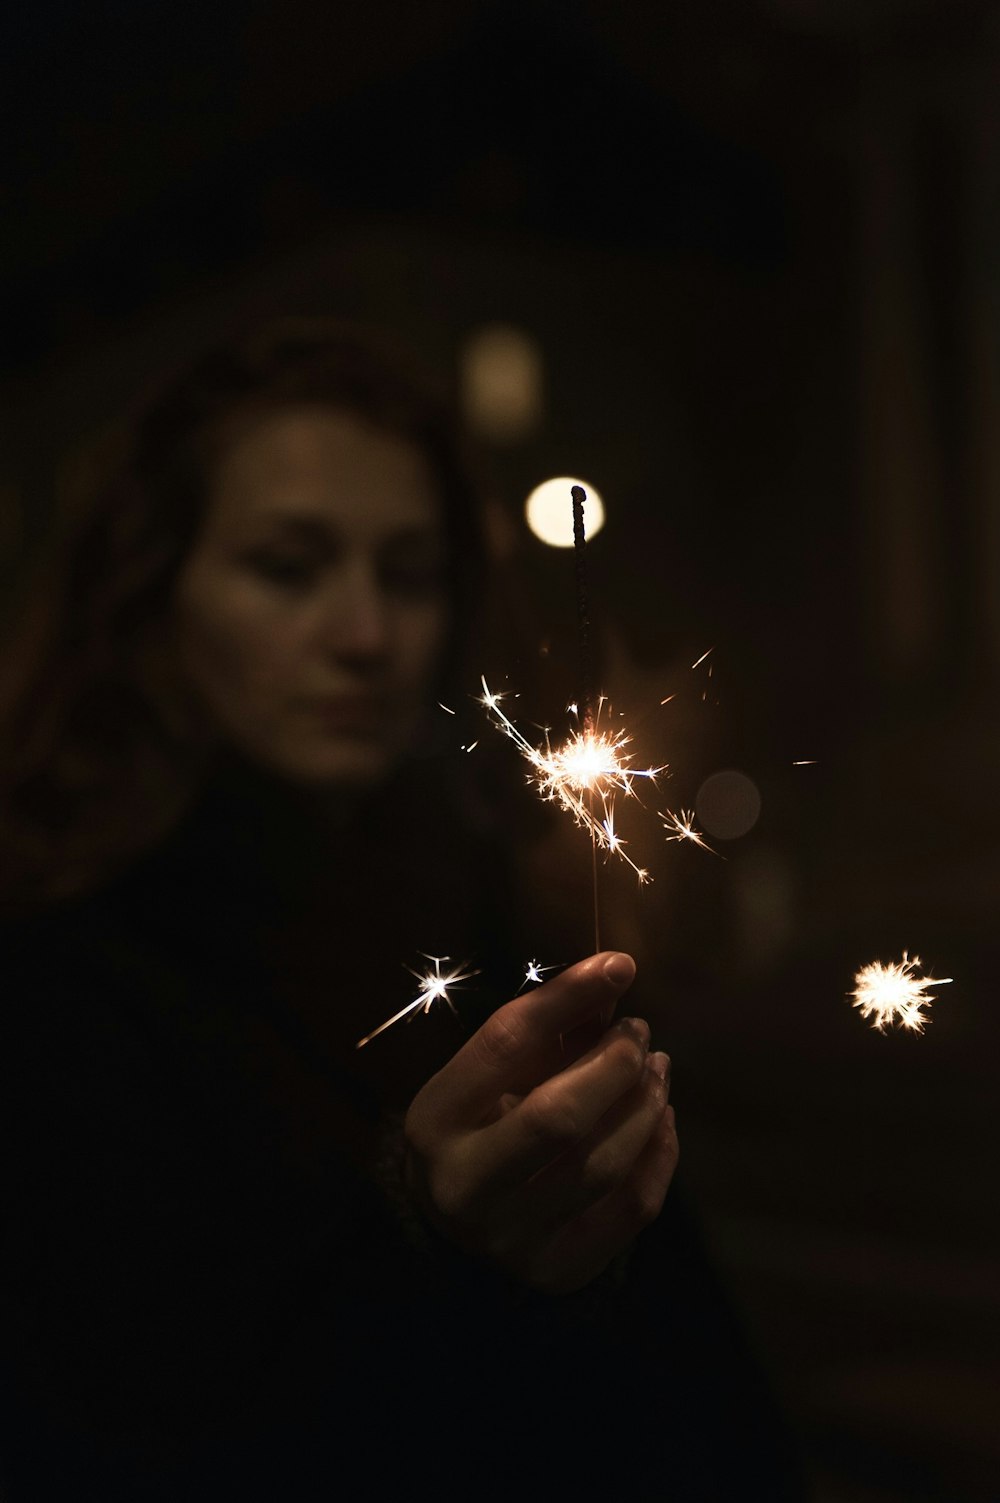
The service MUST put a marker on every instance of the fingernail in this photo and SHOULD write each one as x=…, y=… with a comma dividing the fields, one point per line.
x=638, y=1028
x=660, y=1063
x=619, y=969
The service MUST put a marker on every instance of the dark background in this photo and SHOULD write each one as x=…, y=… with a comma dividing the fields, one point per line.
x=755, y=245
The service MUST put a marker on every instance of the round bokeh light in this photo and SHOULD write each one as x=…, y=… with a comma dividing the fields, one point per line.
x=502, y=380
x=728, y=804
x=549, y=511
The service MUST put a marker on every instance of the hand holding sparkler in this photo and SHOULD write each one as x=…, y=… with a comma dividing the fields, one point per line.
x=546, y=1144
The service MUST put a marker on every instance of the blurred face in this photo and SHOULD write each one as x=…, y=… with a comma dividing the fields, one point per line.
x=312, y=609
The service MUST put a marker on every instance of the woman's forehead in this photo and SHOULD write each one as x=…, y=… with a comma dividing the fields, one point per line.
x=330, y=464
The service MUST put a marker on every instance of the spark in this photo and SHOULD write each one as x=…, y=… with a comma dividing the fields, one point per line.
x=681, y=826
x=668, y=699
x=588, y=769
x=807, y=762
x=445, y=708
x=894, y=993
x=698, y=661
x=433, y=988
x=533, y=973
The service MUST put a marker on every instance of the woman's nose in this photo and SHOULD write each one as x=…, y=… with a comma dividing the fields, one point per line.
x=356, y=623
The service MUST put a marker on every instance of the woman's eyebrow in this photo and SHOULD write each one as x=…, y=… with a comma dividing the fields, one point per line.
x=317, y=532
x=301, y=526
x=421, y=535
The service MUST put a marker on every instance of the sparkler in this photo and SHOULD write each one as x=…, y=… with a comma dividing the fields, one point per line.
x=590, y=764
x=433, y=988
x=894, y=993
x=584, y=774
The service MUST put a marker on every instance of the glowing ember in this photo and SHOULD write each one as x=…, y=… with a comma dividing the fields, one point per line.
x=433, y=988
x=894, y=993
x=592, y=765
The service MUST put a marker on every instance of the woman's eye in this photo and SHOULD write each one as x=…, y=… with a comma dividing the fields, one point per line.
x=420, y=575
x=418, y=580
x=282, y=569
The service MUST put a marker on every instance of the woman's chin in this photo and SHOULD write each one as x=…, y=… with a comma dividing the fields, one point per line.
x=351, y=764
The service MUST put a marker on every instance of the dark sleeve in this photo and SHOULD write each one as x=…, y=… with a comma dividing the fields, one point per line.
x=642, y=1385
x=714, y=1427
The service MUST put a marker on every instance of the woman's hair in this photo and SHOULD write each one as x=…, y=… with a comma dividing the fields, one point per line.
x=100, y=748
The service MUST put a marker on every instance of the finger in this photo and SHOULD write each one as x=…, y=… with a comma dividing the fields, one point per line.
x=577, y=1041
x=586, y=1245
x=558, y=1115
x=600, y=1164
x=519, y=1045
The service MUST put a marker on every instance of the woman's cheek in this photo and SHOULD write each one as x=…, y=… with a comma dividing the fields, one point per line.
x=423, y=638
x=240, y=656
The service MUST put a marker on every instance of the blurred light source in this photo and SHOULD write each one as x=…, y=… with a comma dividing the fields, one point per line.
x=502, y=383
x=728, y=804
x=549, y=510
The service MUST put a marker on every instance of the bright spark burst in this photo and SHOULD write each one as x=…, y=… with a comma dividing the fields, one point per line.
x=433, y=988
x=894, y=993
x=590, y=767
x=681, y=827
x=533, y=973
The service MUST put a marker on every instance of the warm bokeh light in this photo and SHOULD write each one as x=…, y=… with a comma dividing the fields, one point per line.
x=549, y=510
x=728, y=804
x=502, y=383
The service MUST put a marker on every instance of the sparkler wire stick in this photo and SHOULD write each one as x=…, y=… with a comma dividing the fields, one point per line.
x=593, y=869
x=579, y=497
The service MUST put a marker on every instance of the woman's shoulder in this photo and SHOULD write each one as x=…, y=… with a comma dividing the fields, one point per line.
x=95, y=968
x=39, y=941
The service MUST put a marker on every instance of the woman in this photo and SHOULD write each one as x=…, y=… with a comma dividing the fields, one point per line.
x=229, y=1269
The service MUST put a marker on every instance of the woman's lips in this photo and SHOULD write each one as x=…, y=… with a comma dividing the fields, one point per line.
x=351, y=714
